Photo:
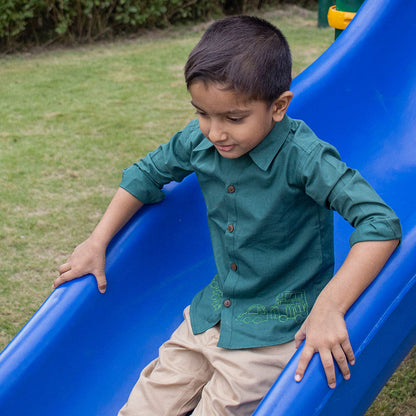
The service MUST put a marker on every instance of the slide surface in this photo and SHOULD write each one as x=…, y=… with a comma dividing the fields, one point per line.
x=82, y=352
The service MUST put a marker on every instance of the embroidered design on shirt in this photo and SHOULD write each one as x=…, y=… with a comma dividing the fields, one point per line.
x=289, y=305
x=216, y=294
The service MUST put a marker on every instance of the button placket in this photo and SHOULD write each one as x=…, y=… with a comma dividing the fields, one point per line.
x=230, y=236
x=231, y=217
x=230, y=228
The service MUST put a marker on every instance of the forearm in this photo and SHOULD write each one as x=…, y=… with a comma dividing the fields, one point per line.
x=122, y=207
x=361, y=266
x=89, y=256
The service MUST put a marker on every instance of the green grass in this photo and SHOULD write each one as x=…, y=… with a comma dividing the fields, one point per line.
x=71, y=120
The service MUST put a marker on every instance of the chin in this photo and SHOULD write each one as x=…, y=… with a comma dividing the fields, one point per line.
x=229, y=155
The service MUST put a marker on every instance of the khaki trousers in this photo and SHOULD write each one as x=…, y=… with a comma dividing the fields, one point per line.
x=193, y=373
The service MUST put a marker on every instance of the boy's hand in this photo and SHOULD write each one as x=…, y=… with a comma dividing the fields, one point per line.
x=326, y=333
x=88, y=257
x=324, y=329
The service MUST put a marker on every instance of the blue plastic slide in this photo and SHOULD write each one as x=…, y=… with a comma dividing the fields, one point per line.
x=82, y=352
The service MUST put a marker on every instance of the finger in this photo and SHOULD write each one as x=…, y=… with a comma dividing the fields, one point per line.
x=304, y=361
x=64, y=277
x=329, y=367
x=341, y=359
x=349, y=352
x=58, y=282
x=64, y=268
x=101, y=282
x=300, y=336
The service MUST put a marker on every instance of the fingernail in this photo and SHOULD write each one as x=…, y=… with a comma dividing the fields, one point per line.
x=298, y=377
x=332, y=385
x=347, y=377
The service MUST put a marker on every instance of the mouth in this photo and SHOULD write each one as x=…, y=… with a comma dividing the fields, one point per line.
x=224, y=148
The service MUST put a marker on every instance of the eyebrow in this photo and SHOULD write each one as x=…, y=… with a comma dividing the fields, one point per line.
x=233, y=112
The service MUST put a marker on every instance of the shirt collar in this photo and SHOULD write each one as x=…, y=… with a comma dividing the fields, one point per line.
x=264, y=153
x=204, y=145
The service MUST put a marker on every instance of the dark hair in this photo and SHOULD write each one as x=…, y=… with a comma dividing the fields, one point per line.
x=246, y=54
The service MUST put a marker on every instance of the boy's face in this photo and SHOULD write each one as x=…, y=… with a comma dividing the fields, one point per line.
x=234, y=125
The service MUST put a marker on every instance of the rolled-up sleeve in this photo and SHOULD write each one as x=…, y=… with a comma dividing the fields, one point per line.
x=333, y=184
x=169, y=162
x=140, y=185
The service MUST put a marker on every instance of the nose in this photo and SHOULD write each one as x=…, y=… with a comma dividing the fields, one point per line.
x=216, y=132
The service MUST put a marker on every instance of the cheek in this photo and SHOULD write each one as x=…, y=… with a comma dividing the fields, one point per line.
x=203, y=126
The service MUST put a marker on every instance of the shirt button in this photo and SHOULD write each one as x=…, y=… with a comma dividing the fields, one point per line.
x=230, y=228
x=233, y=267
x=227, y=303
x=231, y=189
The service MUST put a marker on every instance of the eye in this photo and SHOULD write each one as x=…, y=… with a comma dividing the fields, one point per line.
x=235, y=119
x=201, y=113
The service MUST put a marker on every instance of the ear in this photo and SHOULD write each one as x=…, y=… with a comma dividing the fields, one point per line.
x=281, y=104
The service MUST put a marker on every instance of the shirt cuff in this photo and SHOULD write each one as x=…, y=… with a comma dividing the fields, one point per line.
x=377, y=230
x=138, y=184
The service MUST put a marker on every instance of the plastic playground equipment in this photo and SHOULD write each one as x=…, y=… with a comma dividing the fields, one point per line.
x=82, y=352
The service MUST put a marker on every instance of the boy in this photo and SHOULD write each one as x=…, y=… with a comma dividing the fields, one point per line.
x=269, y=184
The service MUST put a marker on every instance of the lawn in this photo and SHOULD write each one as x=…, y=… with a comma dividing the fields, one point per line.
x=71, y=120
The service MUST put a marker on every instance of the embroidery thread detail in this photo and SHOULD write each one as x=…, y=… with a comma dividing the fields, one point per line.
x=216, y=294
x=289, y=305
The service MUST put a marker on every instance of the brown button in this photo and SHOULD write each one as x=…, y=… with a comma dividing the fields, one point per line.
x=233, y=267
x=231, y=189
x=227, y=303
x=230, y=228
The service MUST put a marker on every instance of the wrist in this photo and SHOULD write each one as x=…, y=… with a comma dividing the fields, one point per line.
x=97, y=241
x=328, y=304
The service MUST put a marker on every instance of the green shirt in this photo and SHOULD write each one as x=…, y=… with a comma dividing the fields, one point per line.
x=271, y=225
